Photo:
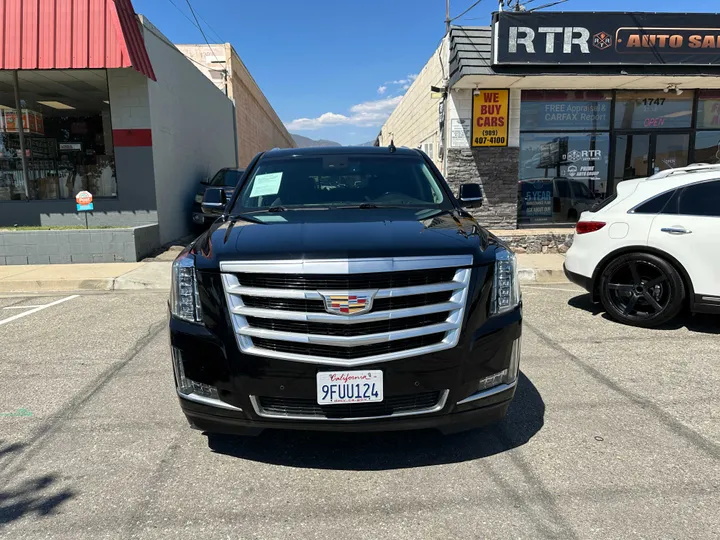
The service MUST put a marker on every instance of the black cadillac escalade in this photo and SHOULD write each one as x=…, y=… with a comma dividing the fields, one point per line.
x=344, y=289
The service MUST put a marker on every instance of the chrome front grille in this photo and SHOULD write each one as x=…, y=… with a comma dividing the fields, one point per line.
x=278, y=307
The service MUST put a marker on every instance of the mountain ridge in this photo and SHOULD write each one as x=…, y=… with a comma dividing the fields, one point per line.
x=306, y=142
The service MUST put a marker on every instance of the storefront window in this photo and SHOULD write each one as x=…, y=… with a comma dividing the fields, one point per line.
x=707, y=147
x=561, y=175
x=576, y=110
x=653, y=110
x=68, y=136
x=708, y=109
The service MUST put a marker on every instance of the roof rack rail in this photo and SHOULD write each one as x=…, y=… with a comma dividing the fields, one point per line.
x=692, y=168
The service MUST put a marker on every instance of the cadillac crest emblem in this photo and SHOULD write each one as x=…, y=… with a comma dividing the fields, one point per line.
x=350, y=303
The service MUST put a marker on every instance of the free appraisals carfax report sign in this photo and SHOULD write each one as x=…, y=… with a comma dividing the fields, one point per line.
x=490, y=118
x=597, y=38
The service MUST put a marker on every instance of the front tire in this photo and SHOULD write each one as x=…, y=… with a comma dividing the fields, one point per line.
x=640, y=289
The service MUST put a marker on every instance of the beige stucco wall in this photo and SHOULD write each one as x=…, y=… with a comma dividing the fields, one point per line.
x=258, y=126
x=415, y=121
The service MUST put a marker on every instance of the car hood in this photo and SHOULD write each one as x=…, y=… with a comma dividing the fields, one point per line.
x=343, y=234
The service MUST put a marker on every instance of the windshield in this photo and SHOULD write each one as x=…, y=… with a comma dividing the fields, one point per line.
x=226, y=177
x=342, y=180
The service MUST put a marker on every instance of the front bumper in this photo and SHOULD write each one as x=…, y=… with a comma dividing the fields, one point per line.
x=213, y=358
x=578, y=279
x=490, y=407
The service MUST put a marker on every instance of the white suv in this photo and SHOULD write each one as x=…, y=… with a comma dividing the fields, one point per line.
x=653, y=247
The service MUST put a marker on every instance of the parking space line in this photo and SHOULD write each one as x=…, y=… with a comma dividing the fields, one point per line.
x=24, y=307
x=39, y=308
x=541, y=288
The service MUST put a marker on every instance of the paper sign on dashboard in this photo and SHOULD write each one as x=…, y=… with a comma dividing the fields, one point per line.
x=266, y=184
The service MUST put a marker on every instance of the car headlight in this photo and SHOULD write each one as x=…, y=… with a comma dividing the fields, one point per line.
x=199, y=198
x=185, y=301
x=506, y=287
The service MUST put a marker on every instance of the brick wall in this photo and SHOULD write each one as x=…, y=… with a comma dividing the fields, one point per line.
x=130, y=103
x=416, y=119
x=258, y=127
x=496, y=170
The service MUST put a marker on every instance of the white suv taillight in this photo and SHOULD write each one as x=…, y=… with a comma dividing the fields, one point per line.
x=584, y=227
x=184, y=299
x=506, y=287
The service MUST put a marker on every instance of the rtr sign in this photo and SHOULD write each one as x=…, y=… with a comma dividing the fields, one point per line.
x=490, y=118
x=606, y=38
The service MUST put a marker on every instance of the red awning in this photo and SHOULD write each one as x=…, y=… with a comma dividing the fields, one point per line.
x=71, y=34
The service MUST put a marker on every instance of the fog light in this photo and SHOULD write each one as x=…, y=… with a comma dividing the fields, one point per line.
x=492, y=380
x=506, y=376
x=514, y=366
x=188, y=386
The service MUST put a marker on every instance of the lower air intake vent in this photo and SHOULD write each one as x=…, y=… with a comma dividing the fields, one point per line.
x=296, y=407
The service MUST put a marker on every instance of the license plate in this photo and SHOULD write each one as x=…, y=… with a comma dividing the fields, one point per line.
x=335, y=387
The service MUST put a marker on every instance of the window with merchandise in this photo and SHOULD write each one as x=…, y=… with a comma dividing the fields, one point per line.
x=66, y=131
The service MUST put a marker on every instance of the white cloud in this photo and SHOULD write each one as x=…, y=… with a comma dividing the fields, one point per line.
x=366, y=114
x=404, y=82
x=382, y=89
x=379, y=106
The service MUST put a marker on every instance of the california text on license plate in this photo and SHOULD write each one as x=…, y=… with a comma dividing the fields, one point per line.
x=335, y=387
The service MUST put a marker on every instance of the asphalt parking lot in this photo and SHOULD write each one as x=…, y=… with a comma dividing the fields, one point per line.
x=614, y=433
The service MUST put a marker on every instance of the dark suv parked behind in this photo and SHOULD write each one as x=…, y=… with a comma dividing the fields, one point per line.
x=226, y=179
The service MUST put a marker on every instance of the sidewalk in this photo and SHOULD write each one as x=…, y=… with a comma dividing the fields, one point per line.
x=546, y=268
x=156, y=275
x=85, y=277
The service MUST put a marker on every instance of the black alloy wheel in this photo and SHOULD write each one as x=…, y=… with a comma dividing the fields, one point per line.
x=641, y=289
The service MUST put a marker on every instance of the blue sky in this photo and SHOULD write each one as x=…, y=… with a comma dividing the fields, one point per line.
x=322, y=63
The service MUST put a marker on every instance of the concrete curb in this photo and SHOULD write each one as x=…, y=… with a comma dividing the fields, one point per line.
x=72, y=285
x=58, y=285
x=154, y=276
x=542, y=275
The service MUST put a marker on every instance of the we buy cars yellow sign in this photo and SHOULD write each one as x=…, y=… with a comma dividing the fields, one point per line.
x=490, y=118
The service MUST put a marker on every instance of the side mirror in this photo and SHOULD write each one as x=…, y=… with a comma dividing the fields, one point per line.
x=470, y=196
x=214, y=201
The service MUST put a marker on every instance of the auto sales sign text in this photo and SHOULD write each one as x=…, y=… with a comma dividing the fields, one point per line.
x=606, y=38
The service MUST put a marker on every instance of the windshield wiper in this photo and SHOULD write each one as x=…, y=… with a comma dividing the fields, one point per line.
x=263, y=210
x=369, y=206
x=246, y=217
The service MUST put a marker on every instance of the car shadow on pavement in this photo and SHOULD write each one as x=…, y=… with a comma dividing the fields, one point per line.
x=695, y=322
x=38, y=495
x=390, y=450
